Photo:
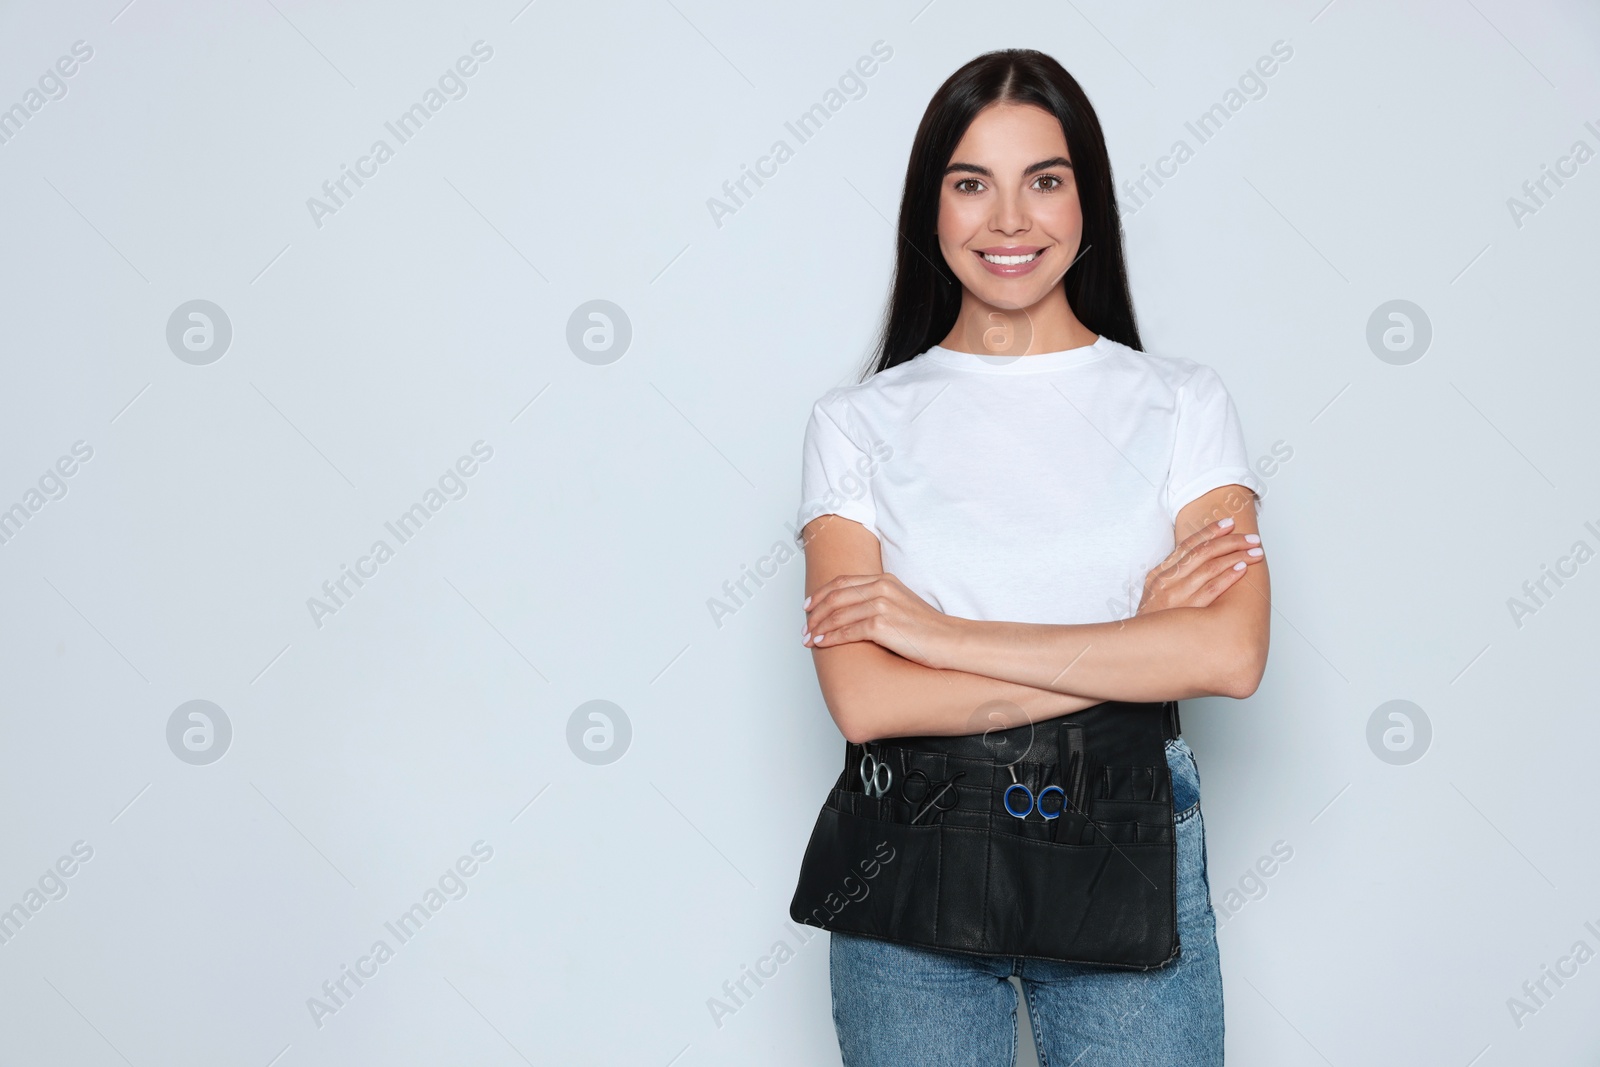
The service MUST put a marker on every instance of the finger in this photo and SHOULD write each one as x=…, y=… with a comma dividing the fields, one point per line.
x=842, y=636
x=845, y=614
x=845, y=589
x=1188, y=544
x=854, y=626
x=842, y=581
x=870, y=621
x=1226, y=552
x=825, y=617
x=1216, y=546
x=1207, y=532
x=1246, y=553
x=1188, y=587
x=1233, y=566
x=1219, y=585
x=1183, y=548
x=1223, y=565
x=1192, y=547
x=1210, y=550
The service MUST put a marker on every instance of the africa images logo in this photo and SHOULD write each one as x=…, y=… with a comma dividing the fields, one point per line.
x=452, y=85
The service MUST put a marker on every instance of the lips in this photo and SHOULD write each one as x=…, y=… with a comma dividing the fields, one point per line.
x=1010, y=261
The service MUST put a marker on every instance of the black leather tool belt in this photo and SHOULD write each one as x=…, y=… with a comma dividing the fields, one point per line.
x=1050, y=841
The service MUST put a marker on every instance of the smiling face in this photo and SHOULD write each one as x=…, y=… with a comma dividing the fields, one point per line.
x=1009, y=219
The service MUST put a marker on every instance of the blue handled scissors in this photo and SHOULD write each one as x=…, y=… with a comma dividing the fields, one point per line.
x=1029, y=801
x=869, y=779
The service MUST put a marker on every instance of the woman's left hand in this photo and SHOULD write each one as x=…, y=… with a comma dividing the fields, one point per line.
x=878, y=608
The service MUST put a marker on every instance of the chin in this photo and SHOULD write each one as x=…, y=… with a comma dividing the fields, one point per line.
x=1007, y=298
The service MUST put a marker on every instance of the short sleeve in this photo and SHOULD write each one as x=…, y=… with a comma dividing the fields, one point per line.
x=835, y=471
x=1209, y=450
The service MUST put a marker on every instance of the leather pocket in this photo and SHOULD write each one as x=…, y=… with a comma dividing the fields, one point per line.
x=1102, y=904
x=863, y=875
x=1134, y=783
x=1107, y=831
x=886, y=809
x=966, y=889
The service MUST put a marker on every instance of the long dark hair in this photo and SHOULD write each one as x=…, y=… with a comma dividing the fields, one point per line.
x=926, y=297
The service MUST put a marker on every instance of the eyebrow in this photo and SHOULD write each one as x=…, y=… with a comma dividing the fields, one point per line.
x=973, y=168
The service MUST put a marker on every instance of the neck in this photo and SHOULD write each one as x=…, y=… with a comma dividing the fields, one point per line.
x=983, y=329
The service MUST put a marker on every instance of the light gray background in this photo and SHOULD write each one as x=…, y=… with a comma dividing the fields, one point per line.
x=432, y=711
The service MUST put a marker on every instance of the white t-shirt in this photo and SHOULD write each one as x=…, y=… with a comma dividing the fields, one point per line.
x=1037, y=488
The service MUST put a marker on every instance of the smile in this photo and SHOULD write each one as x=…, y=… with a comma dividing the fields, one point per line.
x=1010, y=261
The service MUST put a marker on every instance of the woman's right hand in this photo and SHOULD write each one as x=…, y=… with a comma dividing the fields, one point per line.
x=1200, y=569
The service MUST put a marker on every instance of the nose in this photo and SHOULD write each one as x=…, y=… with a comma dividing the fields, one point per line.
x=1009, y=215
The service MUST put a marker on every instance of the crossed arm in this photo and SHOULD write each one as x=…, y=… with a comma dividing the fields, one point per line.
x=889, y=665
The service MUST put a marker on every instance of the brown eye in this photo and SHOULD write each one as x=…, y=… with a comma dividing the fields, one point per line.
x=1051, y=178
x=965, y=181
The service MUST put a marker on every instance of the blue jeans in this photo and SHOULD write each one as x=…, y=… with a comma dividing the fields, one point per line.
x=898, y=1006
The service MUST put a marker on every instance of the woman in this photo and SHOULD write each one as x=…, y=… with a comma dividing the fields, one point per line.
x=978, y=515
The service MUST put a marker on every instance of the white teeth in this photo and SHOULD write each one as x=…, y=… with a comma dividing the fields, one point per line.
x=1010, y=261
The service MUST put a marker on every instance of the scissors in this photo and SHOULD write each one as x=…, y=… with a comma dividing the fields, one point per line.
x=869, y=779
x=1029, y=801
x=942, y=799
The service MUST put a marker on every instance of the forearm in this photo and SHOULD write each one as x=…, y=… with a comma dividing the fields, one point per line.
x=1176, y=654
x=879, y=694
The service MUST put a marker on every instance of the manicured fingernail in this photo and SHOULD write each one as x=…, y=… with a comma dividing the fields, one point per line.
x=1239, y=566
x=807, y=604
x=805, y=637
x=1225, y=523
x=1253, y=552
x=1252, y=539
x=817, y=640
